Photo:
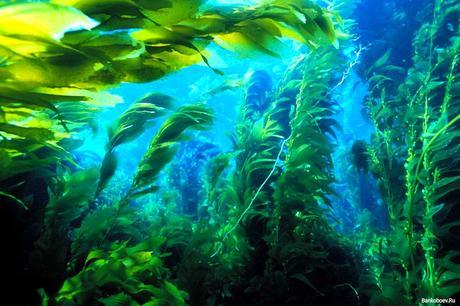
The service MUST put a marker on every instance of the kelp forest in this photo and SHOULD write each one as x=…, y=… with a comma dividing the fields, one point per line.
x=230, y=152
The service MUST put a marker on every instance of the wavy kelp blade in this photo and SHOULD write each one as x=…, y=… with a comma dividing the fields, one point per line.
x=29, y=38
x=172, y=12
x=134, y=120
x=260, y=30
x=43, y=120
x=164, y=144
x=41, y=19
x=104, y=46
x=129, y=126
x=162, y=12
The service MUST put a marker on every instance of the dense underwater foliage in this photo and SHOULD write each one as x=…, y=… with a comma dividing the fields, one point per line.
x=192, y=152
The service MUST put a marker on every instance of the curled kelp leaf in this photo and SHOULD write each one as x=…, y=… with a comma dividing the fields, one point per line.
x=135, y=119
x=129, y=126
x=164, y=145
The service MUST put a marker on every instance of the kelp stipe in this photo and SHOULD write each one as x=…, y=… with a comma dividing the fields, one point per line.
x=300, y=208
x=258, y=91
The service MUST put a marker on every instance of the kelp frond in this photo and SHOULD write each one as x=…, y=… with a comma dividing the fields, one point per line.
x=136, y=118
x=129, y=126
x=164, y=145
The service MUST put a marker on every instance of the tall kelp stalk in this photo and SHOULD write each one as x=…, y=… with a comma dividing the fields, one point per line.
x=282, y=177
x=302, y=240
x=187, y=175
x=358, y=205
x=257, y=142
x=414, y=155
x=308, y=161
x=132, y=123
